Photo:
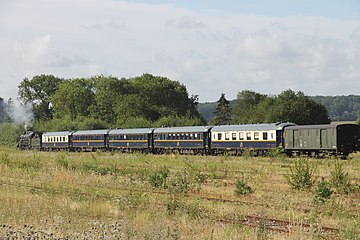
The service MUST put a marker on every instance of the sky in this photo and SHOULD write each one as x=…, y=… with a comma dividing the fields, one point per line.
x=210, y=46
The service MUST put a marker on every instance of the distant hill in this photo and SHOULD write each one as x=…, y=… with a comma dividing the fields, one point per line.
x=340, y=108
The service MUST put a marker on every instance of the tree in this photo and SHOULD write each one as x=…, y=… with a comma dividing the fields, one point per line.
x=252, y=107
x=222, y=112
x=358, y=121
x=299, y=109
x=3, y=113
x=38, y=92
x=73, y=98
x=159, y=96
x=109, y=91
x=246, y=107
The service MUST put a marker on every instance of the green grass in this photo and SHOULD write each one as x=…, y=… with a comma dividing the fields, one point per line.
x=139, y=196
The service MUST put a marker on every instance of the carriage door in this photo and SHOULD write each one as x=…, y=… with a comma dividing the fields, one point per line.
x=324, y=138
x=296, y=139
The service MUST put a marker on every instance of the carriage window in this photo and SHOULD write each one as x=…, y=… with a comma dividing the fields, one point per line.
x=248, y=136
x=219, y=136
x=272, y=135
x=226, y=136
x=256, y=135
x=233, y=136
x=196, y=136
x=265, y=135
x=241, y=135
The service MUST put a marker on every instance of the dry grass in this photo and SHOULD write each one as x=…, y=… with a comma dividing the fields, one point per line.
x=105, y=195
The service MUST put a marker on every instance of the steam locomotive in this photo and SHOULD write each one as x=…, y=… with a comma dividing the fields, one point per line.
x=259, y=139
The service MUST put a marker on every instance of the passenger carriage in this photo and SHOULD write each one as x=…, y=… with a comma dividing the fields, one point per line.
x=55, y=141
x=256, y=137
x=90, y=140
x=131, y=139
x=193, y=139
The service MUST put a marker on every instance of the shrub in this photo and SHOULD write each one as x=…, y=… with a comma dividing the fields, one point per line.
x=301, y=174
x=339, y=179
x=179, y=184
x=173, y=205
x=9, y=133
x=63, y=162
x=158, y=178
x=322, y=192
x=242, y=188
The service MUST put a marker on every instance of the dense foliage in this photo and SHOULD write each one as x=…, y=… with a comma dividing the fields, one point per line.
x=108, y=102
x=288, y=106
x=9, y=133
x=38, y=92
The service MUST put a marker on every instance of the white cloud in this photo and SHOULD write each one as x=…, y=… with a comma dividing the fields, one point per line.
x=210, y=52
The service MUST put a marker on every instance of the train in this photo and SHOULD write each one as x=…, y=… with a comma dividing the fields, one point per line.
x=257, y=139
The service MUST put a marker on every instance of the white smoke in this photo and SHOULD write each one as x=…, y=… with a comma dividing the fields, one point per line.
x=20, y=114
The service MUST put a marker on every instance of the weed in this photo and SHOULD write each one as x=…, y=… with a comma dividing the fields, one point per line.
x=194, y=210
x=351, y=232
x=262, y=231
x=301, y=175
x=95, y=168
x=339, y=179
x=131, y=200
x=5, y=159
x=173, y=205
x=322, y=192
x=180, y=183
x=63, y=162
x=278, y=152
x=242, y=188
x=158, y=178
x=33, y=163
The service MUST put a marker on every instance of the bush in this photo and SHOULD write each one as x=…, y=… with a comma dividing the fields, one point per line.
x=301, y=175
x=322, y=192
x=158, y=178
x=339, y=179
x=242, y=188
x=9, y=133
x=180, y=183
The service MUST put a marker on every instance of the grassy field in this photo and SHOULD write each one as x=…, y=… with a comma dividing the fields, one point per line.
x=62, y=195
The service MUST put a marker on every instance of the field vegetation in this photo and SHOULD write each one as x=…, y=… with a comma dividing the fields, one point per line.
x=61, y=195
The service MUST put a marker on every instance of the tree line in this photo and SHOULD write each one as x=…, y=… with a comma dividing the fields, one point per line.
x=253, y=107
x=341, y=108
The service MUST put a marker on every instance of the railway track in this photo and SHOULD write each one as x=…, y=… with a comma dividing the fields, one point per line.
x=278, y=225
